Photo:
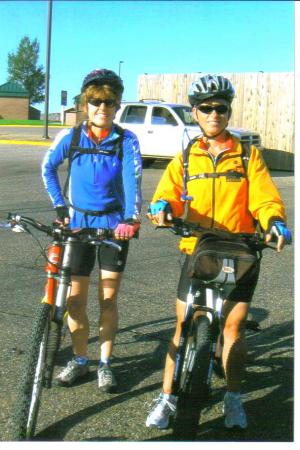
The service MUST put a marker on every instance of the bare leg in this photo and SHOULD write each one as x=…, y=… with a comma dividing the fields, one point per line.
x=109, y=283
x=234, y=350
x=77, y=317
x=171, y=355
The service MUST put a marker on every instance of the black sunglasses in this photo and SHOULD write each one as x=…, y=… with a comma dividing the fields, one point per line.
x=110, y=103
x=220, y=109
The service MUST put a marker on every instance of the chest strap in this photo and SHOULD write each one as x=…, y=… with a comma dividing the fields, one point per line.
x=230, y=175
x=91, y=151
x=95, y=213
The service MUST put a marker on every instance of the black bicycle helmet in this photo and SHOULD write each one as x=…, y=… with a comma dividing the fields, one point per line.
x=209, y=86
x=103, y=76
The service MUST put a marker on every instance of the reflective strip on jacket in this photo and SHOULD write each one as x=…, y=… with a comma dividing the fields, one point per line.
x=226, y=202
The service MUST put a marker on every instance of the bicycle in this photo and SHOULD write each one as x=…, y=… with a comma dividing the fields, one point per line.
x=199, y=343
x=45, y=339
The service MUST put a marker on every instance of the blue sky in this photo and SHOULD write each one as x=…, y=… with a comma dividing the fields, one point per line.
x=150, y=37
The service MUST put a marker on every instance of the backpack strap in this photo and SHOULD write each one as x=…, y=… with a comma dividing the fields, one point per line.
x=185, y=157
x=245, y=156
x=72, y=149
x=119, y=142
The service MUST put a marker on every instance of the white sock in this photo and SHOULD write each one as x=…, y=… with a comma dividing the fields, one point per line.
x=170, y=397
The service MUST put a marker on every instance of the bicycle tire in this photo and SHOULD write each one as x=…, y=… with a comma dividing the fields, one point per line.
x=194, y=386
x=25, y=411
x=53, y=344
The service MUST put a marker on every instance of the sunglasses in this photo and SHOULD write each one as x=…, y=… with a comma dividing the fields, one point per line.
x=219, y=109
x=110, y=103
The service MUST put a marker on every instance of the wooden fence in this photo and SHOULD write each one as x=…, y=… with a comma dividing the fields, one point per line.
x=264, y=102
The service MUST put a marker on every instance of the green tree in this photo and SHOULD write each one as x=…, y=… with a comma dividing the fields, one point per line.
x=23, y=68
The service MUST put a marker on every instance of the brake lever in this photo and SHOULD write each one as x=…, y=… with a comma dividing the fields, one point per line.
x=177, y=230
x=19, y=228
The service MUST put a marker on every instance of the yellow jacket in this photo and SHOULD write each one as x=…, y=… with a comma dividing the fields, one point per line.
x=231, y=203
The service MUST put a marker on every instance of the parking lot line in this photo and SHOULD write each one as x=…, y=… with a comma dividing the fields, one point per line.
x=14, y=142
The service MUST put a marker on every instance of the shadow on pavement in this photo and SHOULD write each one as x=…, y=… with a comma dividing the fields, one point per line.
x=268, y=390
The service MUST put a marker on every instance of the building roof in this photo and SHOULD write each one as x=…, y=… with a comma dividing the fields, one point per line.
x=13, y=89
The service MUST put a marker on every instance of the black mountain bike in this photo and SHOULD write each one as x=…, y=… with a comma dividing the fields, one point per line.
x=45, y=338
x=199, y=346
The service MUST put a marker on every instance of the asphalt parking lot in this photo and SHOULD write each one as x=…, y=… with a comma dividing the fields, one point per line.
x=146, y=301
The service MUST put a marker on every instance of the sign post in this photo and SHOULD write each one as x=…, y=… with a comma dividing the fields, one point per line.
x=63, y=102
x=47, y=78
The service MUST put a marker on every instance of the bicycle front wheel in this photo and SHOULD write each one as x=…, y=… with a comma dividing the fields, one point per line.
x=26, y=407
x=194, y=386
x=199, y=357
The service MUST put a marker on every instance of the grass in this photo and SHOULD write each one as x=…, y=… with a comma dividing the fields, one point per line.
x=26, y=122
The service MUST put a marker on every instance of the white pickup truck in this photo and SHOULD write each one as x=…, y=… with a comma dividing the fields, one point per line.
x=163, y=128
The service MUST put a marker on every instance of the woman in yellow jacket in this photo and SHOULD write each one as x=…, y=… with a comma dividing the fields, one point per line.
x=224, y=193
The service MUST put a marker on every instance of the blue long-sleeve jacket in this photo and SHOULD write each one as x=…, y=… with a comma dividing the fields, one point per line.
x=98, y=182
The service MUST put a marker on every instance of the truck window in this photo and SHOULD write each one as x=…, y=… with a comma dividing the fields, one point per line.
x=185, y=114
x=161, y=116
x=134, y=114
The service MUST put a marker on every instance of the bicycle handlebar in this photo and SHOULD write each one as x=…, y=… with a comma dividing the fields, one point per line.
x=187, y=229
x=55, y=231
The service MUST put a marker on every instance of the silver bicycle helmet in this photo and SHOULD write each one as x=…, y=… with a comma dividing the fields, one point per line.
x=103, y=76
x=209, y=86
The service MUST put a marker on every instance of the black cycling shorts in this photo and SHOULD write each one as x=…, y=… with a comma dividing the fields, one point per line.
x=109, y=258
x=241, y=293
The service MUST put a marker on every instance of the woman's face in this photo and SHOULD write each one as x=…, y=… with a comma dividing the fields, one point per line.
x=212, y=115
x=101, y=106
x=102, y=111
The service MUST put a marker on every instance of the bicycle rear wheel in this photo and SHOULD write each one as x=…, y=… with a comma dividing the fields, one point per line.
x=26, y=407
x=194, y=386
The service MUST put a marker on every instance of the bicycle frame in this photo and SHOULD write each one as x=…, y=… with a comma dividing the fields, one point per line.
x=204, y=298
x=51, y=268
x=46, y=333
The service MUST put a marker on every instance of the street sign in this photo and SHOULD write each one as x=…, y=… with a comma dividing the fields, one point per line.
x=63, y=98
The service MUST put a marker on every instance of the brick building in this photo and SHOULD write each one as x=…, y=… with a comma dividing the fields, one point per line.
x=14, y=103
x=74, y=115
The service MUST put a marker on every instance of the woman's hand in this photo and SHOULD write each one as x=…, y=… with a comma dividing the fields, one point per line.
x=126, y=230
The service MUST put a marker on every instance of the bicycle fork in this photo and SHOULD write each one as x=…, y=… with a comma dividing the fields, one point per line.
x=54, y=338
x=214, y=304
x=64, y=281
x=179, y=361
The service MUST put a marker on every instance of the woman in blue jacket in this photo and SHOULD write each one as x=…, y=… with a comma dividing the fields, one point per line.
x=104, y=188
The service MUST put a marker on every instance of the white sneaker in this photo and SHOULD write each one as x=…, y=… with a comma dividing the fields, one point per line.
x=106, y=379
x=71, y=373
x=233, y=409
x=164, y=408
